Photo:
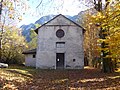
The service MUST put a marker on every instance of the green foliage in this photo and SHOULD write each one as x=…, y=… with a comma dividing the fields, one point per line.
x=33, y=43
x=37, y=25
x=13, y=44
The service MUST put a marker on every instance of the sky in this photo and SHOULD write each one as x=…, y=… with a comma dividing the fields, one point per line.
x=47, y=7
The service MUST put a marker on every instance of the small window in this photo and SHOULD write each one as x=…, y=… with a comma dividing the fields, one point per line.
x=73, y=60
x=33, y=55
x=60, y=44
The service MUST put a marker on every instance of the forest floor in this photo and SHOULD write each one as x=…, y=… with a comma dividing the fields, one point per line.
x=26, y=78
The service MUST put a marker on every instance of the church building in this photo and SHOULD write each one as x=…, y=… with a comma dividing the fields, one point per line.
x=59, y=45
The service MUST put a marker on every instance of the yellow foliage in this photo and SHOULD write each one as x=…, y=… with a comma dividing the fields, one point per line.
x=107, y=20
x=20, y=18
x=11, y=9
x=10, y=16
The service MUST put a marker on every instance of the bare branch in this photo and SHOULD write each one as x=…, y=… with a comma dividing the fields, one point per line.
x=95, y=2
x=39, y=3
x=107, y=3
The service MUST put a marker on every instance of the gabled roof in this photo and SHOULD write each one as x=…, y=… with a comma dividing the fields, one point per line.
x=33, y=51
x=36, y=30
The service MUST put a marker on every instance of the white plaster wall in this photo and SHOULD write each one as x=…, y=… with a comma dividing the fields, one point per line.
x=46, y=51
x=29, y=60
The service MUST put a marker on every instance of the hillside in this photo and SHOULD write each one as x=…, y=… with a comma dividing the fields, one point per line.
x=26, y=28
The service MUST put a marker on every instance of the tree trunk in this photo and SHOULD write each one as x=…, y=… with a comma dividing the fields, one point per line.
x=107, y=62
x=1, y=31
x=107, y=66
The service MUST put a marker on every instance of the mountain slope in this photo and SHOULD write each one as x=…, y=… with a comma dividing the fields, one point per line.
x=26, y=28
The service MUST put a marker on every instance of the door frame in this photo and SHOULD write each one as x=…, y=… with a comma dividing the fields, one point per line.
x=62, y=61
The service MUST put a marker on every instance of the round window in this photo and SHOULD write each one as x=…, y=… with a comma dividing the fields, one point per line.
x=60, y=33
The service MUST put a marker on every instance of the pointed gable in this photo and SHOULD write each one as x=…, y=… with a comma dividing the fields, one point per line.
x=61, y=21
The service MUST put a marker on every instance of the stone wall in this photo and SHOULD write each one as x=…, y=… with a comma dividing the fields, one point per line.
x=73, y=50
x=29, y=60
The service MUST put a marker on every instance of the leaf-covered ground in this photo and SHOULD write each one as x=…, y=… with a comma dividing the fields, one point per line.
x=26, y=78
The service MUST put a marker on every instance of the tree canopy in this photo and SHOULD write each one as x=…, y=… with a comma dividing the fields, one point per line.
x=106, y=23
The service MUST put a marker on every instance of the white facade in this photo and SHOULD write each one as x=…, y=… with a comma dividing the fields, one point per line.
x=65, y=52
x=30, y=60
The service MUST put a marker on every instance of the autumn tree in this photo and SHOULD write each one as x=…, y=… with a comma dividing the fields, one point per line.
x=92, y=54
x=111, y=25
x=9, y=16
x=1, y=31
x=103, y=23
x=102, y=20
x=12, y=45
